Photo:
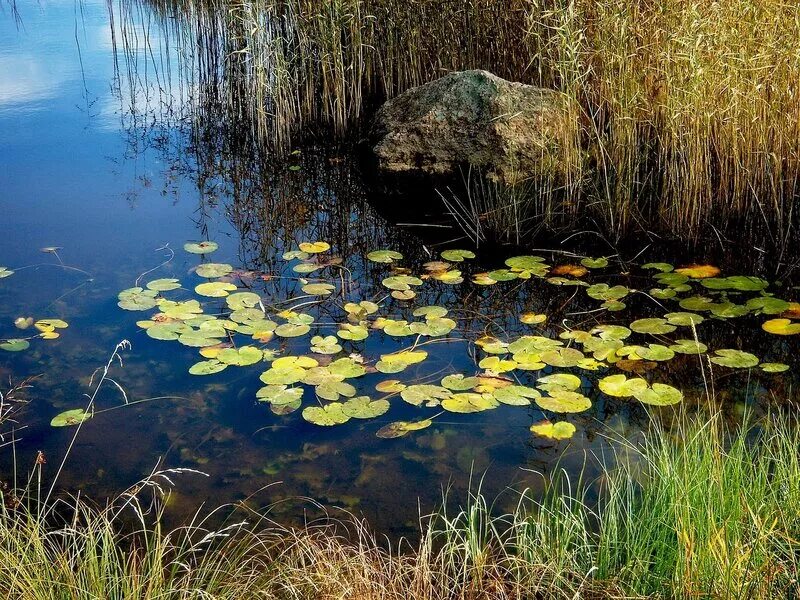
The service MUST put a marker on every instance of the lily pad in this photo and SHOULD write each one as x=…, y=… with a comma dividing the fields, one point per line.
x=314, y=247
x=660, y=394
x=594, y=263
x=319, y=289
x=362, y=407
x=560, y=430
x=203, y=247
x=781, y=327
x=353, y=333
x=735, y=359
x=457, y=255
x=14, y=345
x=619, y=386
x=469, y=402
x=213, y=270
x=164, y=285
x=279, y=394
x=563, y=401
x=429, y=394
x=215, y=289
x=137, y=298
x=655, y=326
x=400, y=428
x=207, y=367
x=325, y=345
x=326, y=416
x=459, y=383
x=384, y=256
x=75, y=416
x=773, y=367
x=515, y=395
x=290, y=330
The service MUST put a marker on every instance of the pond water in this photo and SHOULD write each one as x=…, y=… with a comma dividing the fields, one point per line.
x=106, y=177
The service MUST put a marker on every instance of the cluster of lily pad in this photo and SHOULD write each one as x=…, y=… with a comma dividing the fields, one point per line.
x=637, y=346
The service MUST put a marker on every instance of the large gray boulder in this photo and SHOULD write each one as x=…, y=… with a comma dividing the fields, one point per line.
x=510, y=131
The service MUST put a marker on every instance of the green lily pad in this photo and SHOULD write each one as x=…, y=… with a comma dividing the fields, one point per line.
x=279, y=394
x=137, y=298
x=362, y=407
x=314, y=247
x=306, y=267
x=684, y=319
x=213, y=270
x=326, y=416
x=562, y=357
x=619, y=386
x=742, y=283
x=207, y=367
x=563, y=401
x=773, y=367
x=240, y=357
x=688, y=347
x=200, y=247
x=401, y=282
x=14, y=345
x=164, y=285
x=655, y=326
x=735, y=359
x=658, y=266
x=467, y=402
x=556, y=381
x=325, y=345
x=292, y=254
x=767, y=305
x=291, y=330
x=75, y=416
x=602, y=291
x=167, y=331
x=243, y=300
x=660, y=394
x=516, y=395
x=560, y=430
x=319, y=289
x=497, y=364
x=214, y=289
x=362, y=309
x=353, y=333
x=656, y=352
x=525, y=263
x=399, y=361
x=430, y=394
x=200, y=339
x=347, y=367
x=459, y=383
x=384, y=256
x=457, y=255
x=594, y=263
x=400, y=428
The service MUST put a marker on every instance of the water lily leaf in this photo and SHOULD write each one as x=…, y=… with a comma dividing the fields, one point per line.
x=215, y=289
x=279, y=394
x=532, y=318
x=457, y=255
x=362, y=309
x=332, y=389
x=773, y=367
x=167, y=331
x=291, y=330
x=515, y=395
x=569, y=269
x=497, y=365
x=655, y=352
x=492, y=345
x=403, y=294
x=137, y=298
x=213, y=270
x=688, y=347
x=502, y=275
x=735, y=359
x=602, y=291
x=612, y=332
x=556, y=431
x=559, y=381
x=469, y=403
x=347, y=367
x=240, y=357
x=483, y=279
x=696, y=303
x=663, y=293
x=353, y=333
x=384, y=256
x=50, y=324
x=728, y=310
x=164, y=285
x=619, y=386
x=781, y=327
x=698, y=271
x=430, y=312
x=325, y=416
x=614, y=305
x=397, y=328
x=190, y=309
x=244, y=300
x=526, y=263
x=401, y=282
x=200, y=247
x=362, y=407
x=318, y=289
x=325, y=345
x=660, y=394
x=434, y=327
x=306, y=267
x=14, y=345
x=199, y=339
x=673, y=280
x=531, y=344
x=657, y=266
x=459, y=383
x=283, y=375
x=5, y=272
x=75, y=416
x=390, y=386
x=451, y=277
x=768, y=305
x=654, y=326
x=401, y=428
x=314, y=247
x=564, y=401
x=595, y=263
x=207, y=367
x=430, y=394
x=684, y=319
x=742, y=283
x=562, y=357
x=394, y=363
x=285, y=408
x=292, y=254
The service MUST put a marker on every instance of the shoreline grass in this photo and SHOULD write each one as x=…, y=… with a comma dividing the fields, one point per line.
x=697, y=510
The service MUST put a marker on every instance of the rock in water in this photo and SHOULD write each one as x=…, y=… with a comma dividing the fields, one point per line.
x=511, y=131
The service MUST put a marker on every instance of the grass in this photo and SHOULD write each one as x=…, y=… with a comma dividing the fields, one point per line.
x=695, y=510
x=690, y=111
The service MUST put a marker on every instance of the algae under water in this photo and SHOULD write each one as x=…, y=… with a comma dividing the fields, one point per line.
x=290, y=332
